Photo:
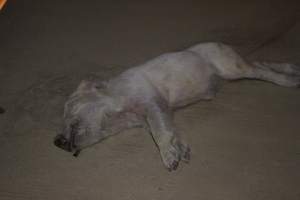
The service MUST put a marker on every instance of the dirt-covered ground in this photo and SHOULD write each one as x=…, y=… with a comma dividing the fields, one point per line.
x=245, y=143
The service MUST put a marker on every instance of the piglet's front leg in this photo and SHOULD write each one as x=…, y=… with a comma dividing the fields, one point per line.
x=172, y=149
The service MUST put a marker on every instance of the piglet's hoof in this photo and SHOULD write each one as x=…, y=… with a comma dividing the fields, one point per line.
x=173, y=154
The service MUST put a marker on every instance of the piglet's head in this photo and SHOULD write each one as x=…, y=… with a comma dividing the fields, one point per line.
x=86, y=113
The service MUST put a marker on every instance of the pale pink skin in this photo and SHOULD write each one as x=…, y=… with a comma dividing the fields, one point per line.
x=147, y=94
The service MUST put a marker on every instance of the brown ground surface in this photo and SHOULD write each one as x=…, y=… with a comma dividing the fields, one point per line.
x=245, y=143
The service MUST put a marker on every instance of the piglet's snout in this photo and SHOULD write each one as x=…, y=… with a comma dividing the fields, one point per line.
x=61, y=142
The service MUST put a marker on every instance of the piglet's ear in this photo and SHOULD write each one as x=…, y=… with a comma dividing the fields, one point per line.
x=85, y=85
x=91, y=85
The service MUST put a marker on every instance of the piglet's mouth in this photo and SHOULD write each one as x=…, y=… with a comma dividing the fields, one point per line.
x=77, y=152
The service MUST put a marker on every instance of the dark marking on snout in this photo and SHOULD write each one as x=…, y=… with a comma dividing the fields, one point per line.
x=74, y=130
x=73, y=133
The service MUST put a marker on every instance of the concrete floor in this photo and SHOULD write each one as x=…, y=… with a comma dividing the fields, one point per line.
x=245, y=143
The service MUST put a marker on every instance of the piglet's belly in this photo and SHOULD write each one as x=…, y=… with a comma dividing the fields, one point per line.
x=188, y=92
